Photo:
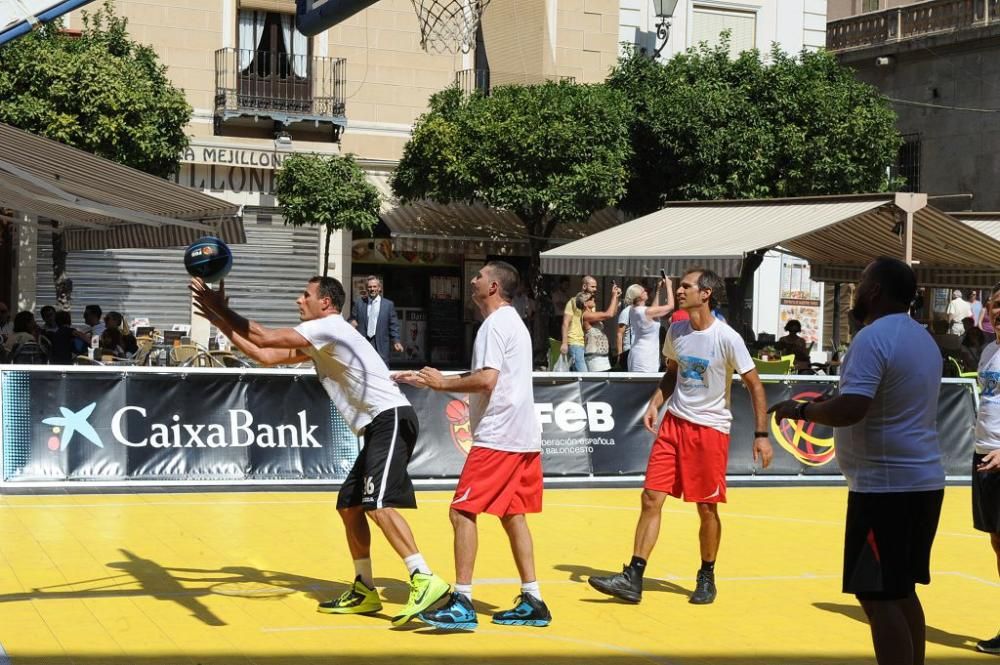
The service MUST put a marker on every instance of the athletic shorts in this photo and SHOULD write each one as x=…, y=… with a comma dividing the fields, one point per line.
x=379, y=478
x=887, y=542
x=985, y=498
x=689, y=461
x=500, y=483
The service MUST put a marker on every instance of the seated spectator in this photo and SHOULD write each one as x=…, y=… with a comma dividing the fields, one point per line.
x=94, y=325
x=66, y=342
x=111, y=343
x=129, y=343
x=972, y=345
x=792, y=344
x=24, y=330
x=48, y=313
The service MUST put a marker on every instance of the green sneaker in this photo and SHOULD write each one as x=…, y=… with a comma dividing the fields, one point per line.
x=425, y=590
x=359, y=599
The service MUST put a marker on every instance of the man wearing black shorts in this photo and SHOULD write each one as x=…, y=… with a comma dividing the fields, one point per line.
x=887, y=446
x=358, y=383
x=986, y=459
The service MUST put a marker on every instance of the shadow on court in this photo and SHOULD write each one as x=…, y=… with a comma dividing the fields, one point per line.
x=934, y=635
x=185, y=586
x=522, y=657
x=578, y=573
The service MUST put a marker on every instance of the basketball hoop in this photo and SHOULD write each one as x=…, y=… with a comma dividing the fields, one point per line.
x=448, y=26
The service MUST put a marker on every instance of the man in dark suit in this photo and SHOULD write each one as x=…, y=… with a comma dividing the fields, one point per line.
x=375, y=318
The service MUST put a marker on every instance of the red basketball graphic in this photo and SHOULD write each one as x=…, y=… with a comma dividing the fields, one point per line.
x=457, y=413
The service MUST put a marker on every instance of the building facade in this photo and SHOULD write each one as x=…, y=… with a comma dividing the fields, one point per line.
x=261, y=91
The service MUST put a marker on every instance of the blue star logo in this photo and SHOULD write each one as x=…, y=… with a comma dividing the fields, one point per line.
x=71, y=423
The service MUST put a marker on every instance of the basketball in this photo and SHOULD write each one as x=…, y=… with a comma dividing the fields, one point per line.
x=208, y=258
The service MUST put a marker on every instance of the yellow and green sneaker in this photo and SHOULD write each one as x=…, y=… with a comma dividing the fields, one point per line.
x=425, y=590
x=359, y=599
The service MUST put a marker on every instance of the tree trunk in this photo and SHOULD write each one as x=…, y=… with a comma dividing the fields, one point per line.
x=326, y=253
x=63, y=284
x=538, y=242
x=744, y=285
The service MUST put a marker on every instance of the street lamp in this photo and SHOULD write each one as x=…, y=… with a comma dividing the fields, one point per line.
x=664, y=12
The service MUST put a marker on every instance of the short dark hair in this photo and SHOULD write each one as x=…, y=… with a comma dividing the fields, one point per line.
x=92, y=309
x=63, y=318
x=708, y=279
x=896, y=279
x=793, y=324
x=46, y=309
x=329, y=287
x=23, y=321
x=506, y=276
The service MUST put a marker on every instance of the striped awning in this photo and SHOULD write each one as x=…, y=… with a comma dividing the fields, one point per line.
x=475, y=228
x=104, y=205
x=838, y=235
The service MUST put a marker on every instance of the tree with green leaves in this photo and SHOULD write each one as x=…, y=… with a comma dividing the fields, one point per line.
x=553, y=154
x=100, y=92
x=331, y=192
x=706, y=126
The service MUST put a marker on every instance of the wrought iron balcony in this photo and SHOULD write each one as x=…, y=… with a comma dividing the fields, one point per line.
x=278, y=86
x=480, y=80
x=911, y=21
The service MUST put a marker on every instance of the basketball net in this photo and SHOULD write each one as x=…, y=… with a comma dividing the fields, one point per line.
x=448, y=26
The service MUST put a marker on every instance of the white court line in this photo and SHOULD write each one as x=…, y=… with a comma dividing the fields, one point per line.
x=4, y=658
x=648, y=657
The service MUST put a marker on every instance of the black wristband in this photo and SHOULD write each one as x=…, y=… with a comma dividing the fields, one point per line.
x=758, y=435
x=800, y=410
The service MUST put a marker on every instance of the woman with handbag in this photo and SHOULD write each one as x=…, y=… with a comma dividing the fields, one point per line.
x=595, y=348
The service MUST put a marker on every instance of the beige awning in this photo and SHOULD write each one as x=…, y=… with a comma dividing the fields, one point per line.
x=105, y=205
x=838, y=235
x=475, y=228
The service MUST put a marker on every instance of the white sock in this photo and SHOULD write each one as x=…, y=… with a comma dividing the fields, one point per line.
x=465, y=590
x=415, y=564
x=532, y=588
x=363, y=568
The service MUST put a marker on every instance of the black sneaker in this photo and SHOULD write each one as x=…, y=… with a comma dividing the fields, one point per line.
x=626, y=585
x=527, y=611
x=704, y=588
x=989, y=646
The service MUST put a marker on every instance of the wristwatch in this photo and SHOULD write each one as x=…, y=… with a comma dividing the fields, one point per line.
x=761, y=435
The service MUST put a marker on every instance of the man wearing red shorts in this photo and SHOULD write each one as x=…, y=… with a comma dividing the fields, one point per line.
x=503, y=473
x=689, y=456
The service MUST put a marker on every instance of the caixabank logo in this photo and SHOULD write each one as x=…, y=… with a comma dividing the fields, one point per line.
x=809, y=443
x=238, y=431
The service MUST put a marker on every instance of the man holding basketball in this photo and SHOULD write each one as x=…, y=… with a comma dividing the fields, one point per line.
x=358, y=383
x=503, y=472
x=885, y=430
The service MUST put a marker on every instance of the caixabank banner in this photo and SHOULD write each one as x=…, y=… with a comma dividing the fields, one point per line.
x=170, y=426
x=191, y=426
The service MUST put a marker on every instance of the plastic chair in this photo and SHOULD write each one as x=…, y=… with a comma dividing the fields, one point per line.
x=228, y=359
x=182, y=354
x=959, y=372
x=555, y=350
x=29, y=353
x=141, y=356
x=783, y=366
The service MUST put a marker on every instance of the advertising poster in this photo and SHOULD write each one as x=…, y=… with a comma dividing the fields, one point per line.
x=800, y=299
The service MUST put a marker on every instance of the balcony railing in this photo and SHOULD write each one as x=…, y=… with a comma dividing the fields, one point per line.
x=917, y=20
x=279, y=86
x=481, y=80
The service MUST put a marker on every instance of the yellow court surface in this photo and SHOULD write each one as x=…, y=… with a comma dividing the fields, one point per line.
x=219, y=578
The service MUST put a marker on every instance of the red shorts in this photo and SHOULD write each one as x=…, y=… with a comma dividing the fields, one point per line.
x=688, y=460
x=500, y=483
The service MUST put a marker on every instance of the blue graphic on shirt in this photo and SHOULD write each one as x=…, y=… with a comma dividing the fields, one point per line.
x=693, y=369
x=989, y=381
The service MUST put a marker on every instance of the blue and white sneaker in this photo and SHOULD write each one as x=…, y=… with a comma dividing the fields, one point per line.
x=456, y=614
x=527, y=611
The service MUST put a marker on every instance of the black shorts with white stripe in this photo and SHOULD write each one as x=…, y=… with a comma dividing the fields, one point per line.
x=379, y=478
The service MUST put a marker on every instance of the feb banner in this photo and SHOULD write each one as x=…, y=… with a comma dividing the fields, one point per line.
x=67, y=425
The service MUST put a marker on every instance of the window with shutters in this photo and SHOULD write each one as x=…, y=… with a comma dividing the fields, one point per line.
x=708, y=23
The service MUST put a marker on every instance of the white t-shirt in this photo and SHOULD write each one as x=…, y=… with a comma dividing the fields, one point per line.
x=505, y=418
x=705, y=361
x=623, y=320
x=958, y=309
x=895, y=448
x=350, y=370
x=988, y=420
x=644, y=355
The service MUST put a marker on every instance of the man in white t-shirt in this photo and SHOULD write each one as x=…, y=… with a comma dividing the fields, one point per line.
x=958, y=309
x=357, y=380
x=986, y=457
x=503, y=474
x=691, y=451
x=887, y=447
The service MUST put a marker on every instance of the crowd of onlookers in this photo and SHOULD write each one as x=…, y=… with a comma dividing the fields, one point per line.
x=55, y=340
